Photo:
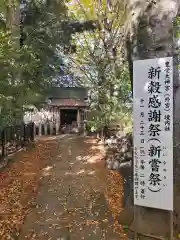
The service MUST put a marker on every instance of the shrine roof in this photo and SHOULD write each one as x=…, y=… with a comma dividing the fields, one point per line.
x=79, y=93
x=69, y=103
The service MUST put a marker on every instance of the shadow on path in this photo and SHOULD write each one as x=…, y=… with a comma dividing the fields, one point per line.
x=70, y=201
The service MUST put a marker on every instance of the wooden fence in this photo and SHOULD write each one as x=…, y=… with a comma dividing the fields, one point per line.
x=13, y=138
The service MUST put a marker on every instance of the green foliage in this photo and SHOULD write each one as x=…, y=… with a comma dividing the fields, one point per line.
x=99, y=60
x=28, y=70
x=95, y=51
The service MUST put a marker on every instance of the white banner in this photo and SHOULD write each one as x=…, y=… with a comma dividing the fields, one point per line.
x=153, y=132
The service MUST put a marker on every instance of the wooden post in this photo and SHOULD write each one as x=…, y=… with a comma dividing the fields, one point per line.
x=59, y=117
x=136, y=222
x=34, y=129
x=3, y=144
x=171, y=237
x=78, y=119
x=24, y=133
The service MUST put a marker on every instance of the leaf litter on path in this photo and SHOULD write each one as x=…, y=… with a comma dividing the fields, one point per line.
x=19, y=185
x=89, y=217
x=114, y=195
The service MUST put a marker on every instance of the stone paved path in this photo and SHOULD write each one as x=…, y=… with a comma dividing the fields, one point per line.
x=70, y=202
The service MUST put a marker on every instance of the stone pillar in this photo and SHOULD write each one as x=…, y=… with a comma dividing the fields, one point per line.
x=51, y=128
x=40, y=129
x=57, y=128
x=45, y=128
x=84, y=128
x=57, y=121
x=51, y=120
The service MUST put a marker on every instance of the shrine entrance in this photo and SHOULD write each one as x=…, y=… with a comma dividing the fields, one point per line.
x=68, y=116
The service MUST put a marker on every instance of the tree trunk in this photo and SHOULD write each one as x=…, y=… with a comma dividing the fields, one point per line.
x=13, y=20
x=152, y=37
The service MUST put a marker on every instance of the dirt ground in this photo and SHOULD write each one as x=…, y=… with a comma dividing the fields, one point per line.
x=71, y=201
x=61, y=190
x=18, y=183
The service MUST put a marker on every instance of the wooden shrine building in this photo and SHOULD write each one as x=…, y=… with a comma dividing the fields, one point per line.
x=65, y=111
x=67, y=108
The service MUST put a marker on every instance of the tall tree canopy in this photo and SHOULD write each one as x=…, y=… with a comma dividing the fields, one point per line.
x=36, y=35
x=99, y=58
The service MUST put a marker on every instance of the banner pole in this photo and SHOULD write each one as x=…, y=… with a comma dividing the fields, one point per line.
x=171, y=237
x=136, y=222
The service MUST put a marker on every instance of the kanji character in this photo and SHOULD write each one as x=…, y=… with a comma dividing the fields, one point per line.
x=142, y=167
x=154, y=87
x=154, y=151
x=142, y=114
x=154, y=116
x=154, y=130
x=167, y=128
x=142, y=191
x=154, y=102
x=142, y=183
x=154, y=179
x=154, y=72
x=167, y=64
x=167, y=117
x=167, y=87
x=155, y=164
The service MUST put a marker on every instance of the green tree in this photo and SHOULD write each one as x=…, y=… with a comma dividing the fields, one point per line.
x=32, y=51
x=30, y=62
x=99, y=58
